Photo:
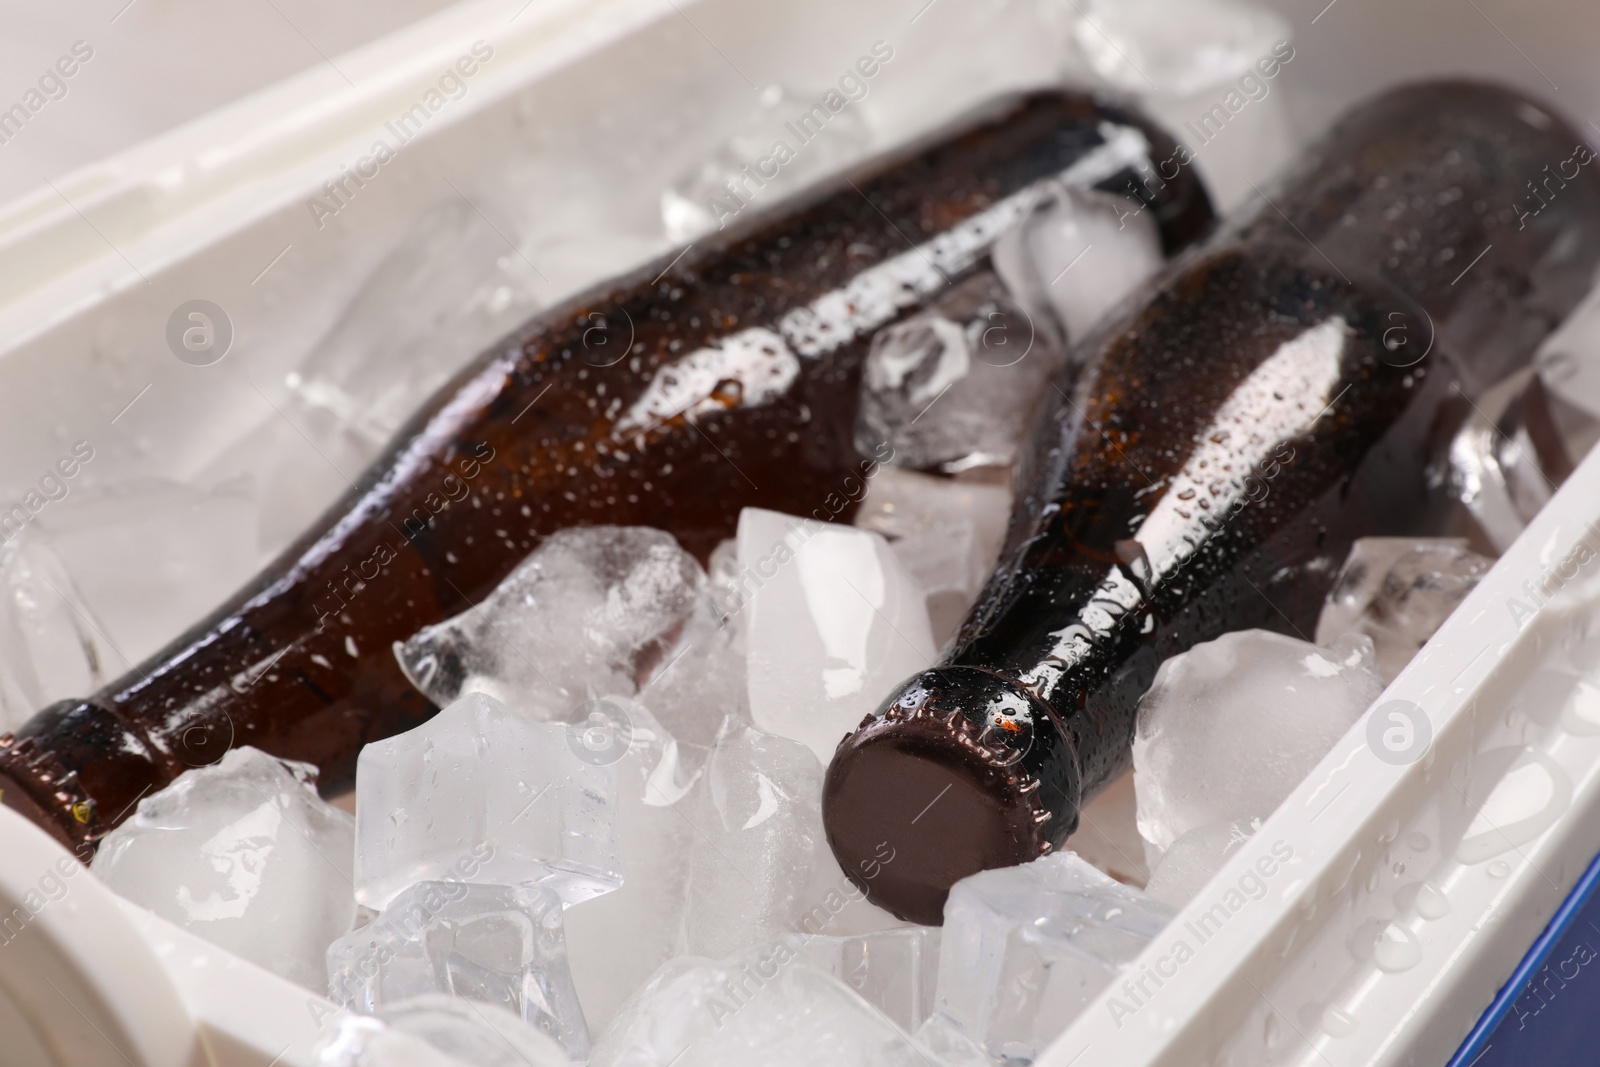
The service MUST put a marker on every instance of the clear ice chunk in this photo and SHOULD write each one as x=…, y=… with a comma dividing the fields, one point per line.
x=244, y=854
x=1108, y=833
x=896, y=971
x=1026, y=948
x=1077, y=254
x=1210, y=72
x=835, y=623
x=952, y=386
x=764, y=1007
x=725, y=585
x=1398, y=591
x=498, y=944
x=51, y=646
x=616, y=941
x=144, y=562
x=949, y=1045
x=750, y=167
x=1569, y=359
x=1231, y=726
x=757, y=827
x=594, y=610
x=703, y=684
x=1194, y=858
x=1571, y=428
x=479, y=787
x=1144, y=45
x=946, y=532
x=1498, y=472
x=451, y=286
x=836, y=907
x=438, y=1031
x=704, y=679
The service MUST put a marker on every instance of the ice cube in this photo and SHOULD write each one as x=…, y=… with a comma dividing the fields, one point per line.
x=1208, y=71
x=1143, y=46
x=835, y=622
x=750, y=169
x=1075, y=256
x=497, y=944
x=757, y=826
x=146, y=560
x=835, y=906
x=616, y=941
x=1026, y=948
x=1194, y=858
x=946, y=532
x=725, y=585
x=245, y=854
x=51, y=646
x=1231, y=726
x=1571, y=429
x=483, y=789
x=1508, y=456
x=765, y=1007
x=1108, y=833
x=952, y=387
x=451, y=286
x=438, y=1031
x=592, y=611
x=893, y=970
x=1569, y=358
x=102, y=579
x=1398, y=591
x=950, y=1046
x=703, y=679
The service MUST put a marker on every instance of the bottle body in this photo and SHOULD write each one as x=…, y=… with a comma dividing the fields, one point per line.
x=1265, y=406
x=721, y=379
x=1476, y=202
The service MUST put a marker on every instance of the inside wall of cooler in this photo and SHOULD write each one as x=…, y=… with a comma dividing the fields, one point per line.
x=347, y=311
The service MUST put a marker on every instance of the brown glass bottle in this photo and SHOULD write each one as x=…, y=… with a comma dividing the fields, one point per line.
x=723, y=378
x=1281, y=392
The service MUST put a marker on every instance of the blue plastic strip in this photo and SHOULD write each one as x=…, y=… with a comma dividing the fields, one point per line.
x=1557, y=1022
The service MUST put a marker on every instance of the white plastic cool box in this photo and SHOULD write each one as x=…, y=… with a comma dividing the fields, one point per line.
x=1370, y=921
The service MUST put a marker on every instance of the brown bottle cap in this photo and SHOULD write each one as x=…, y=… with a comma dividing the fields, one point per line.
x=943, y=781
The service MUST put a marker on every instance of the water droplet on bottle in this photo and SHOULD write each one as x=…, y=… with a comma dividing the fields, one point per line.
x=1499, y=869
x=1399, y=869
x=1338, y=1023
x=1418, y=842
x=1397, y=949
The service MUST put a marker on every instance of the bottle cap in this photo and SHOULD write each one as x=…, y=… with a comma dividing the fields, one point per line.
x=961, y=770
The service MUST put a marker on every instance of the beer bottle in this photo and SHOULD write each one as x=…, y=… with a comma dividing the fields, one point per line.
x=1281, y=391
x=720, y=378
